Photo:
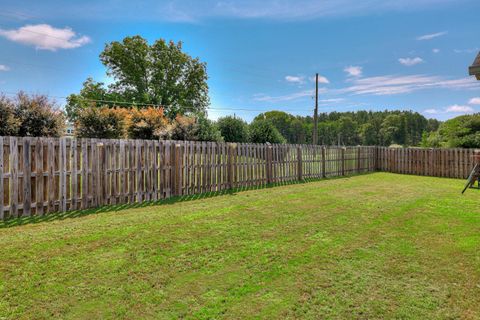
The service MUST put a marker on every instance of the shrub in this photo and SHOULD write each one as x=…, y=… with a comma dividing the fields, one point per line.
x=195, y=129
x=149, y=123
x=30, y=116
x=262, y=131
x=102, y=122
x=38, y=117
x=9, y=124
x=233, y=129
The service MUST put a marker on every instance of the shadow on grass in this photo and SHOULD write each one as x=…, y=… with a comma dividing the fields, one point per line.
x=13, y=222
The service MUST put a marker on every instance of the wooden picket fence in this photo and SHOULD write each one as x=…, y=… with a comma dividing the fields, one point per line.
x=448, y=163
x=42, y=175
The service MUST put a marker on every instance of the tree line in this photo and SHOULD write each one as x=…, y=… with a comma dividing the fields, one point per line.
x=37, y=115
x=160, y=92
x=354, y=128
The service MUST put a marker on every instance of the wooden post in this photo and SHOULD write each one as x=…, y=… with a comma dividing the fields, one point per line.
x=231, y=164
x=139, y=171
x=300, y=164
x=269, y=170
x=84, y=173
x=38, y=176
x=13, y=177
x=27, y=176
x=324, y=162
x=51, y=169
x=178, y=163
x=343, y=161
x=62, y=158
x=359, y=153
x=74, y=172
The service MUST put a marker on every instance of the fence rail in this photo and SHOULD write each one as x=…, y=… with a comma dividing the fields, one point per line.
x=42, y=175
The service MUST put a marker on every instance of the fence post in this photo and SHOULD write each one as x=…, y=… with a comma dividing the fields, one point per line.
x=178, y=168
x=27, y=175
x=231, y=164
x=324, y=160
x=300, y=164
x=359, y=151
x=343, y=161
x=269, y=164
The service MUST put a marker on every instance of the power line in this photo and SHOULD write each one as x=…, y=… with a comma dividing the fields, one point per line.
x=163, y=106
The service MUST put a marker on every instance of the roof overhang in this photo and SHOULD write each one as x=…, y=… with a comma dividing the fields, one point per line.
x=474, y=69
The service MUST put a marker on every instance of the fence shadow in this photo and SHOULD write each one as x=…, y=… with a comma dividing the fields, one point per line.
x=14, y=222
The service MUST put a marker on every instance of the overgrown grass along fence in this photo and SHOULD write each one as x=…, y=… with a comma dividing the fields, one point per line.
x=41, y=175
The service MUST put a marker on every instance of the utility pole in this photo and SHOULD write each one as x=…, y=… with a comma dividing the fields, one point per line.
x=315, y=114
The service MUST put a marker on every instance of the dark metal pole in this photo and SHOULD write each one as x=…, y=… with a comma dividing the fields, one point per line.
x=315, y=114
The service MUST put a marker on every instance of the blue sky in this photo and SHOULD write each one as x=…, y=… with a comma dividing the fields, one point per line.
x=262, y=55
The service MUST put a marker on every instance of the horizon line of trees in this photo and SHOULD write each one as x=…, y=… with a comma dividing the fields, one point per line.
x=161, y=74
x=36, y=115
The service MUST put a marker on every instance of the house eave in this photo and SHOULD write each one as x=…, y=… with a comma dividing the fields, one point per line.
x=474, y=69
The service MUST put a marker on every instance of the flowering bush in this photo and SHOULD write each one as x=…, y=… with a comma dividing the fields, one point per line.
x=148, y=123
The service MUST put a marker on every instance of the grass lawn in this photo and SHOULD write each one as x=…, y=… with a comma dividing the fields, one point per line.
x=368, y=247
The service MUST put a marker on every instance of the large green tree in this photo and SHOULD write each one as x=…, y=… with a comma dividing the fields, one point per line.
x=462, y=131
x=144, y=74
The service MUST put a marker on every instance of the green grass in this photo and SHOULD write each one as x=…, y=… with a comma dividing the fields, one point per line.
x=368, y=247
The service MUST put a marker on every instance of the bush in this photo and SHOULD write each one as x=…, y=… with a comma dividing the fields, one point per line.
x=233, y=129
x=149, y=123
x=38, y=117
x=460, y=132
x=30, y=116
x=9, y=124
x=262, y=131
x=195, y=129
x=102, y=122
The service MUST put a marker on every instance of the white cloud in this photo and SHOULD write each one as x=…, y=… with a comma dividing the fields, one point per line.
x=288, y=97
x=410, y=61
x=301, y=79
x=435, y=50
x=431, y=36
x=333, y=100
x=321, y=79
x=391, y=84
x=450, y=109
x=431, y=111
x=194, y=10
x=46, y=37
x=459, y=109
x=475, y=100
x=471, y=50
x=295, y=79
x=4, y=67
x=353, y=71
